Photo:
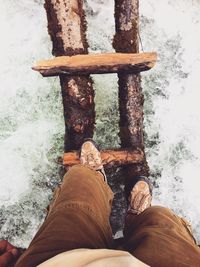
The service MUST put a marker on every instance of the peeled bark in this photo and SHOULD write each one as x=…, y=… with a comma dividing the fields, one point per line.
x=109, y=158
x=67, y=27
x=96, y=64
x=130, y=93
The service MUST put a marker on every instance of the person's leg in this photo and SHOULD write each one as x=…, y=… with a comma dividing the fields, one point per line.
x=159, y=238
x=78, y=218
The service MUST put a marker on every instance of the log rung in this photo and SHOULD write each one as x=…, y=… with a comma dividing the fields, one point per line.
x=96, y=64
x=109, y=157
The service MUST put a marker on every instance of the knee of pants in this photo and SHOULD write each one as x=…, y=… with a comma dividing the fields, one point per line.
x=159, y=216
x=84, y=185
x=80, y=173
x=153, y=216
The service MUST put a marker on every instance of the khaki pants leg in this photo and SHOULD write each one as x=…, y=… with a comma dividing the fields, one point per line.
x=160, y=238
x=78, y=218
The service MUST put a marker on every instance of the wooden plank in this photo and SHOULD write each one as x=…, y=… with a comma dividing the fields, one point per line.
x=96, y=64
x=109, y=157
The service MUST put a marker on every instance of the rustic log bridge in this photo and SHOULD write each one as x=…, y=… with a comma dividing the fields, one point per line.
x=96, y=64
x=67, y=29
x=109, y=157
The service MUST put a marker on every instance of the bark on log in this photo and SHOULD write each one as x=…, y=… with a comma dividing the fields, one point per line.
x=130, y=93
x=109, y=157
x=96, y=64
x=67, y=27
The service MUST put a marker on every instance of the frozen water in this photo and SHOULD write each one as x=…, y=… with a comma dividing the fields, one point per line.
x=31, y=122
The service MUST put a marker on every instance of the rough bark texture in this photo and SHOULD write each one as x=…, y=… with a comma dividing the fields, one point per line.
x=126, y=26
x=130, y=93
x=96, y=64
x=67, y=26
x=110, y=158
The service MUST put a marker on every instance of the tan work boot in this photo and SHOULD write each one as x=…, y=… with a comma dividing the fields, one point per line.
x=90, y=156
x=140, y=197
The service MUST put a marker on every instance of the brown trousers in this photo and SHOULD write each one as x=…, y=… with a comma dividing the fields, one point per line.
x=79, y=218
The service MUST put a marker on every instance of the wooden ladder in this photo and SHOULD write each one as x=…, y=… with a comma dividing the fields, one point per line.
x=73, y=65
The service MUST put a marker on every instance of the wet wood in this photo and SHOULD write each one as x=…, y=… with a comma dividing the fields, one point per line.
x=109, y=157
x=131, y=98
x=67, y=29
x=96, y=64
